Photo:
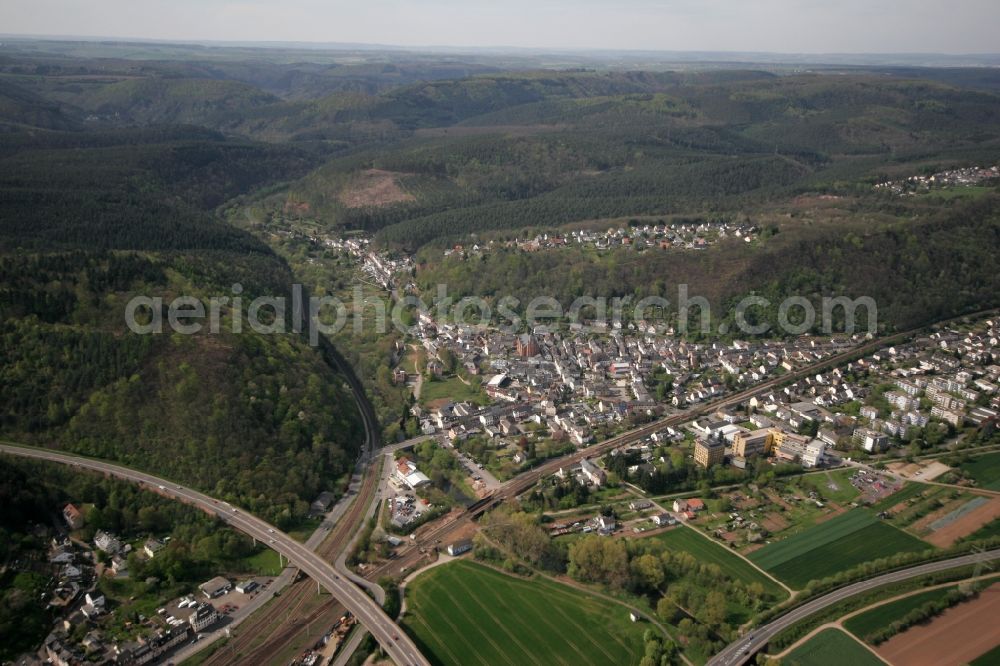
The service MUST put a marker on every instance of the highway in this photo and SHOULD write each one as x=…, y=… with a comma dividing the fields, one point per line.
x=394, y=641
x=741, y=651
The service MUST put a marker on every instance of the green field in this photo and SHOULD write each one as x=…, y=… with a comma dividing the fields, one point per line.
x=878, y=618
x=452, y=389
x=991, y=658
x=951, y=193
x=828, y=548
x=264, y=563
x=833, y=486
x=989, y=530
x=463, y=613
x=985, y=470
x=831, y=647
x=682, y=538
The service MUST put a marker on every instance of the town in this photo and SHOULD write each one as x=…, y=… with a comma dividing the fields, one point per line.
x=492, y=405
x=942, y=179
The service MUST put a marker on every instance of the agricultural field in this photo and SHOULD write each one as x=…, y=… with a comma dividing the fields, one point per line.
x=834, y=546
x=941, y=516
x=912, y=514
x=464, y=613
x=831, y=647
x=987, y=531
x=706, y=550
x=985, y=470
x=991, y=658
x=957, y=636
x=878, y=618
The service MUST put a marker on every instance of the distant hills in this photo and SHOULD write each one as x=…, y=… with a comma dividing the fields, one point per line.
x=159, y=167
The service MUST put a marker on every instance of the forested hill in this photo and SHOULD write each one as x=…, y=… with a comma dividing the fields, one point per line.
x=89, y=219
x=544, y=149
x=131, y=188
x=118, y=162
x=917, y=270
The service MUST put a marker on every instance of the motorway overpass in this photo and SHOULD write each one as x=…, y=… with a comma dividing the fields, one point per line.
x=742, y=650
x=393, y=640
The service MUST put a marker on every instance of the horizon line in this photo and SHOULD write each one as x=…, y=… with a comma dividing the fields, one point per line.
x=432, y=48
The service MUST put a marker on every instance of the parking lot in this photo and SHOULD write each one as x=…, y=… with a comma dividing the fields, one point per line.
x=226, y=604
x=482, y=480
x=873, y=486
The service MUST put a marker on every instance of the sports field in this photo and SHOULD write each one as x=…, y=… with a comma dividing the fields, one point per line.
x=463, y=613
x=985, y=470
x=706, y=550
x=834, y=486
x=849, y=539
x=882, y=616
x=831, y=647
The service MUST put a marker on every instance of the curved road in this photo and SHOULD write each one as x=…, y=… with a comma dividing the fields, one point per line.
x=741, y=651
x=395, y=642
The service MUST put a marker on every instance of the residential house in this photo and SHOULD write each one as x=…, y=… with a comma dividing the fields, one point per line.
x=152, y=547
x=605, y=524
x=593, y=473
x=73, y=517
x=688, y=505
x=204, y=616
x=663, y=520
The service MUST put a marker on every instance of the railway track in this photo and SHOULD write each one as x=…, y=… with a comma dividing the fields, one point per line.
x=523, y=482
x=285, y=637
x=332, y=545
x=526, y=480
x=250, y=631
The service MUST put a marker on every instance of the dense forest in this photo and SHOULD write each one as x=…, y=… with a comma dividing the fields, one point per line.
x=123, y=174
x=917, y=271
x=91, y=218
x=164, y=170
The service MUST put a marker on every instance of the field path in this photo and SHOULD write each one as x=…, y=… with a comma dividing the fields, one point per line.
x=791, y=592
x=955, y=637
x=418, y=383
x=569, y=582
x=836, y=626
x=686, y=524
x=638, y=611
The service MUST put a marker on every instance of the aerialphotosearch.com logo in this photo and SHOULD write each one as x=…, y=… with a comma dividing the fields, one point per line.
x=328, y=315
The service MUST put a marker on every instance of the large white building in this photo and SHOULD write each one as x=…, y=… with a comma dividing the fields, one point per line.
x=407, y=472
x=203, y=616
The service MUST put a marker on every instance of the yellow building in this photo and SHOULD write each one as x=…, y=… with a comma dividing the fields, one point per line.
x=707, y=454
x=754, y=443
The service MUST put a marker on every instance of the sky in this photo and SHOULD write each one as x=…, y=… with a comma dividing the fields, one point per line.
x=778, y=26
